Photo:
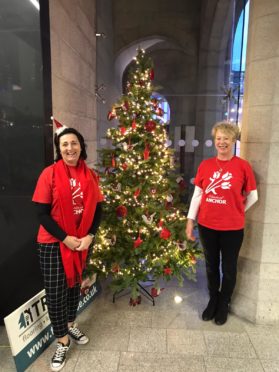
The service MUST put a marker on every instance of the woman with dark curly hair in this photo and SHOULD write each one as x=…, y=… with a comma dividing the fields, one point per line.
x=68, y=201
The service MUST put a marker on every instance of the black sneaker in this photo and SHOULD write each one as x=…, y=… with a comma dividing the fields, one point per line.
x=59, y=358
x=77, y=336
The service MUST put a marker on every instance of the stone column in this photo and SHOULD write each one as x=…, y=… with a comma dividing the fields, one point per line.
x=257, y=293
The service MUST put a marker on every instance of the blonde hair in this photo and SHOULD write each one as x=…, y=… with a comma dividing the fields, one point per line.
x=231, y=130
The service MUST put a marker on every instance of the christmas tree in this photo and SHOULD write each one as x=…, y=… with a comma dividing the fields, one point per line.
x=142, y=236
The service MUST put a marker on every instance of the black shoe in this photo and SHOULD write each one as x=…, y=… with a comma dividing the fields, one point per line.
x=77, y=336
x=211, y=308
x=222, y=313
x=59, y=358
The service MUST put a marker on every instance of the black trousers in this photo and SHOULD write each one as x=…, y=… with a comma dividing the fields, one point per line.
x=221, y=247
x=62, y=302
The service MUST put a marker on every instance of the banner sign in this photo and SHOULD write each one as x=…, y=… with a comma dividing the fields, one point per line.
x=29, y=329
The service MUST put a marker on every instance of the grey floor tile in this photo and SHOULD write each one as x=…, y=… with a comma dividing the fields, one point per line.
x=185, y=342
x=270, y=365
x=158, y=362
x=266, y=343
x=107, y=338
x=230, y=345
x=7, y=363
x=147, y=340
x=135, y=318
x=97, y=361
x=214, y=364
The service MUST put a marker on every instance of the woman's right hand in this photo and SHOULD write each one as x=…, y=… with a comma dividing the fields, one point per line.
x=72, y=242
x=190, y=230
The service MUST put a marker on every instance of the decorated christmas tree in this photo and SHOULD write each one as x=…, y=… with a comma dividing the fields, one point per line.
x=142, y=235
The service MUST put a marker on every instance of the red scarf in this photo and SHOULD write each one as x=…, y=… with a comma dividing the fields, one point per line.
x=74, y=261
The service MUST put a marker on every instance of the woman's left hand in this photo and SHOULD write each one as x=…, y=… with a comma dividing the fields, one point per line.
x=84, y=243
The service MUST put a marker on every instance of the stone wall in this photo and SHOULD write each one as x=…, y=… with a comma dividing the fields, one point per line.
x=73, y=63
x=257, y=292
x=105, y=72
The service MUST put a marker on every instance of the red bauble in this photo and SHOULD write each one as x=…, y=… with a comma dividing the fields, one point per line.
x=111, y=115
x=156, y=291
x=167, y=271
x=126, y=105
x=135, y=301
x=182, y=185
x=122, y=130
x=181, y=182
x=154, y=102
x=193, y=260
x=159, y=111
x=115, y=268
x=169, y=205
x=121, y=211
x=165, y=234
x=151, y=74
x=124, y=166
x=160, y=223
x=150, y=126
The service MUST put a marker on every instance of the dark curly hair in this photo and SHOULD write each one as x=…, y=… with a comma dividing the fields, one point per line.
x=83, y=153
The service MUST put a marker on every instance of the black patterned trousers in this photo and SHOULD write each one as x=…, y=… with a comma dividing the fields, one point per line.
x=62, y=302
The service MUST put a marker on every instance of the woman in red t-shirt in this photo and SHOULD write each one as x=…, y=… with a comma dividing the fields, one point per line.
x=68, y=201
x=225, y=188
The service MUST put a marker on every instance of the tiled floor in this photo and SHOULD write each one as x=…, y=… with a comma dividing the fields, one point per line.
x=161, y=338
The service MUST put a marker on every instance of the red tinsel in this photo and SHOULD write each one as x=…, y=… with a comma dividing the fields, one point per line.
x=151, y=74
x=136, y=193
x=146, y=152
x=134, y=124
x=113, y=161
x=138, y=242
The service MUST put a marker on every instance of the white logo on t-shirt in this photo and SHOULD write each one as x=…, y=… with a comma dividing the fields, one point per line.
x=219, y=181
x=77, y=196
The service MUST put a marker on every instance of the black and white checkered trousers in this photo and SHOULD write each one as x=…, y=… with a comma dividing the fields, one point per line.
x=62, y=302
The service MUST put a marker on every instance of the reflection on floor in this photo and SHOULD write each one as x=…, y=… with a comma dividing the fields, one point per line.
x=161, y=338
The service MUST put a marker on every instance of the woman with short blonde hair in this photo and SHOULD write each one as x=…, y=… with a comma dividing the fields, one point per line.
x=225, y=188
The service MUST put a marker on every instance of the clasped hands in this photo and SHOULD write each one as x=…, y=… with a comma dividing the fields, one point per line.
x=77, y=244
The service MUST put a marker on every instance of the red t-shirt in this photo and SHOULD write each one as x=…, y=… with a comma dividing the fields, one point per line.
x=224, y=192
x=46, y=193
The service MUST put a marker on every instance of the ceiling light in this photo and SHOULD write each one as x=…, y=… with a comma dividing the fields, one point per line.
x=35, y=3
